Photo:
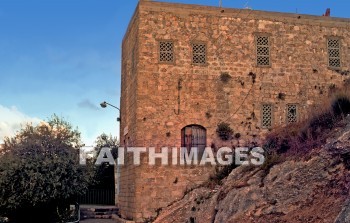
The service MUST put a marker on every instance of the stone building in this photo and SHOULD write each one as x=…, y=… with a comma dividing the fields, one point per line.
x=187, y=68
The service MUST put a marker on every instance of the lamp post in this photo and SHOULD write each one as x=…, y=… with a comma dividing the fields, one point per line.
x=117, y=177
x=104, y=104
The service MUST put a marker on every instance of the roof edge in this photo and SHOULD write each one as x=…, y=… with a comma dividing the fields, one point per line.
x=236, y=12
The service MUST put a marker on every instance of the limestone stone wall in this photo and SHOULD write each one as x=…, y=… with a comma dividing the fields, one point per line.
x=159, y=99
x=126, y=174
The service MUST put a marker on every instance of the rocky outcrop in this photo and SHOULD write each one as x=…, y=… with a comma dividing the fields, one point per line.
x=344, y=215
x=313, y=188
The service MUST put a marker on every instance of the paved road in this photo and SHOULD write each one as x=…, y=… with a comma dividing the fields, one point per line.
x=97, y=221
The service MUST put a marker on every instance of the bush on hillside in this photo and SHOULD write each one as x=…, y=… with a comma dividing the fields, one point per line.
x=301, y=137
x=341, y=105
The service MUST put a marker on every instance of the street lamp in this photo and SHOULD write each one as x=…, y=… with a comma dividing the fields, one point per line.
x=104, y=104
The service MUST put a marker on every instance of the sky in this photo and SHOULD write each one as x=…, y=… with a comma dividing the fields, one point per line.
x=64, y=57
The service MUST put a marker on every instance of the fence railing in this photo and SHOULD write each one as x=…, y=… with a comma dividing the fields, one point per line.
x=98, y=196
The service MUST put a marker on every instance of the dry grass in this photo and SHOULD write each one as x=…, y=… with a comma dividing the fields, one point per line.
x=301, y=137
x=297, y=140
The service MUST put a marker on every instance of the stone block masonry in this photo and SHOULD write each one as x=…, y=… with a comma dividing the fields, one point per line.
x=174, y=61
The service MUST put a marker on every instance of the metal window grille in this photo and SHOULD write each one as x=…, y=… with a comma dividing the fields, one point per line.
x=166, y=51
x=262, y=51
x=266, y=116
x=333, y=52
x=292, y=113
x=199, y=53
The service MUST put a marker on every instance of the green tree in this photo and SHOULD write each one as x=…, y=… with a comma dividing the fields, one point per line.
x=40, y=172
x=110, y=141
x=104, y=174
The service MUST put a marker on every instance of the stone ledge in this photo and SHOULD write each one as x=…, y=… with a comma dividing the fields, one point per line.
x=191, y=9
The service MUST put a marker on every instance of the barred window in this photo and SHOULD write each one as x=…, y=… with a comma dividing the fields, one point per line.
x=333, y=46
x=266, y=120
x=292, y=113
x=262, y=51
x=166, y=51
x=199, y=53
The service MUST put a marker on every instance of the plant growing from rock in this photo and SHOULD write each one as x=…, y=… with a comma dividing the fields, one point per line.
x=225, y=77
x=238, y=135
x=281, y=96
x=224, y=131
x=208, y=115
x=332, y=88
x=253, y=76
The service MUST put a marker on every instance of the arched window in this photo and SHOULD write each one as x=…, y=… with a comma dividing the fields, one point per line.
x=194, y=136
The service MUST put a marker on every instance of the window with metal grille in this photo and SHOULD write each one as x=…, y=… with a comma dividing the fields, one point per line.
x=333, y=46
x=199, y=53
x=262, y=51
x=166, y=51
x=194, y=136
x=266, y=120
x=292, y=113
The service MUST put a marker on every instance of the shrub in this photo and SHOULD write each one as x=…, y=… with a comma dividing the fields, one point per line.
x=224, y=131
x=221, y=173
x=303, y=136
x=281, y=96
x=225, y=77
x=283, y=139
x=319, y=123
x=270, y=160
x=253, y=76
x=238, y=135
x=341, y=105
x=300, y=138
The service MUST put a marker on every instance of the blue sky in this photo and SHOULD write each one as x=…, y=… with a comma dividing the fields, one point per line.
x=63, y=57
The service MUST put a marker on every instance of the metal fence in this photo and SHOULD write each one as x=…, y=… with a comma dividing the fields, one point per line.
x=98, y=196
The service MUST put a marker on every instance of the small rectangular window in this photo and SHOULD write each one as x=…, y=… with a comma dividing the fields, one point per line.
x=333, y=46
x=199, y=53
x=166, y=51
x=292, y=113
x=263, y=51
x=266, y=121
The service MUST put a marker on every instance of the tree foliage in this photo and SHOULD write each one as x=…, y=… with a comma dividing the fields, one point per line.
x=40, y=170
x=104, y=174
x=110, y=141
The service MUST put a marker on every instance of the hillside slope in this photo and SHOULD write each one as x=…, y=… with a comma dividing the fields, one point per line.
x=314, y=188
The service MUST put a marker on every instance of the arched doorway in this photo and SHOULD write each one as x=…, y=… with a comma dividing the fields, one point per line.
x=194, y=136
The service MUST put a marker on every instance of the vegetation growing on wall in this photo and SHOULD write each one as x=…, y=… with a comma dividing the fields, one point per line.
x=294, y=140
x=301, y=137
x=224, y=131
x=281, y=96
x=253, y=76
x=225, y=77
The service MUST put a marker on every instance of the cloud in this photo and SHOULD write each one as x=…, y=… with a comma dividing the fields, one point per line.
x=88, y=104
x=12, y=120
